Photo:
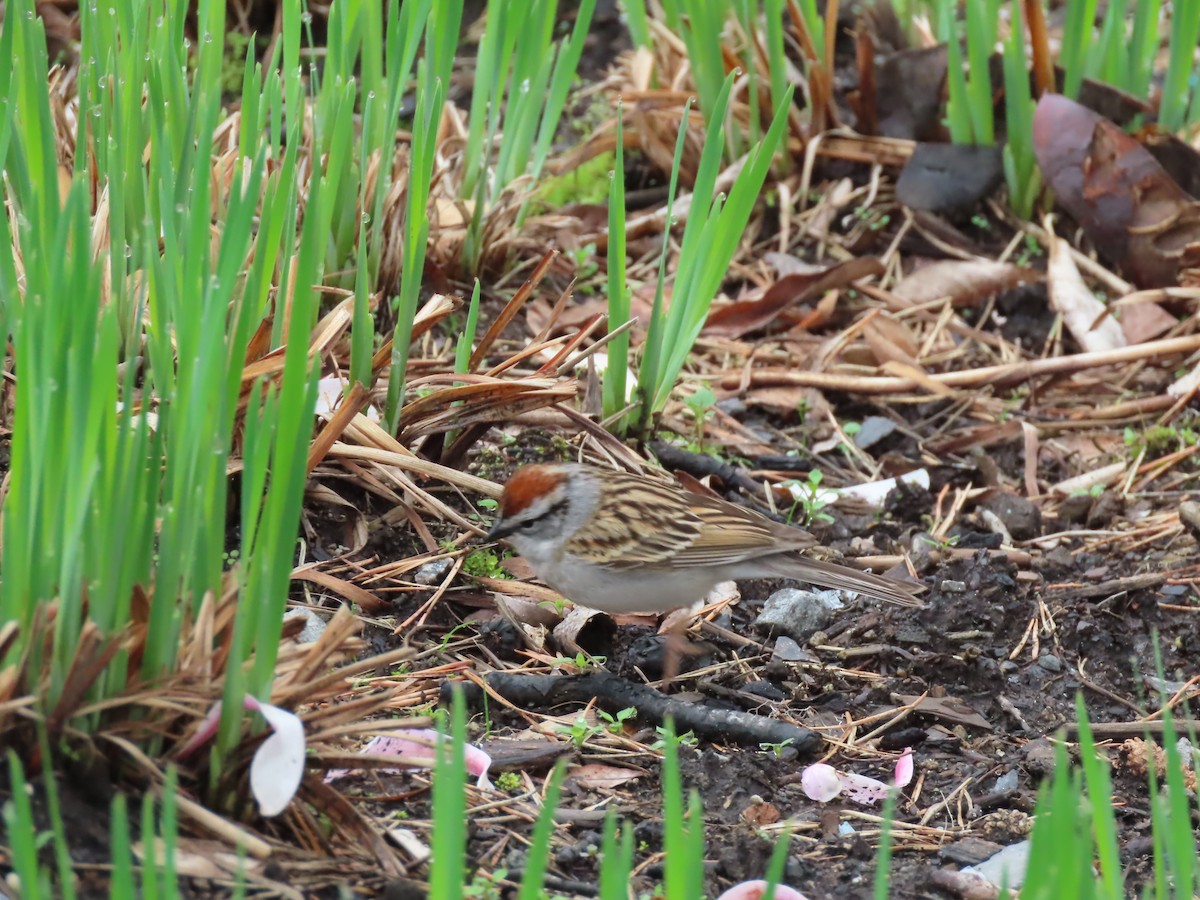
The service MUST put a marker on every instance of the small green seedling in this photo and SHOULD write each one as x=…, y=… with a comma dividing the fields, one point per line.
x=486, y=563
x=701, y=403
x=687, y=739
x=776, y=748
x=582, y=661
x=809, y=499
x=509, y=782
x=580, y=731
x=616, y=724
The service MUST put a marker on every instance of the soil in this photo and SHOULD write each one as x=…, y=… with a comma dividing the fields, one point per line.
x=1001, y=651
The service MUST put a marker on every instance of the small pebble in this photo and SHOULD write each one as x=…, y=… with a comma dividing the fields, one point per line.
x=1020, y=516
x=1189, y=515
x=954, y=587
x=1006, y=782
x=1040, y=756
x=1050, y=662
x=1006, y=867
x=432, y=572
x=873, y=430
x=314, y=625
x=786, y=650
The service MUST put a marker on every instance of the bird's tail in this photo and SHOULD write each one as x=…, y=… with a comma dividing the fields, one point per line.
x=832, y=575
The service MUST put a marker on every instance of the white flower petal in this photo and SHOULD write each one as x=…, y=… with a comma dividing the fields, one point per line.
x=278, y=765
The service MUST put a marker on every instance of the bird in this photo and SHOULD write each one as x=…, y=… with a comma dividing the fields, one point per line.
x=624, y=543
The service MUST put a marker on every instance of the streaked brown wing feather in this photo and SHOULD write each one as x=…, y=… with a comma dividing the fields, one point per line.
x=731, y=534
x=641, y=522
x=638, y=522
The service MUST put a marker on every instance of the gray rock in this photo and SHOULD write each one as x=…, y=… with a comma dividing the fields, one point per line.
x=1050, y=662
x=1040, y=756
x=969, y=851
x=1022, y=518
x=797, y=613
x=788, y=651
x=1006, y=782
x=1006, y=867
x=314, y=625
x=432, y=572
x=874, y=429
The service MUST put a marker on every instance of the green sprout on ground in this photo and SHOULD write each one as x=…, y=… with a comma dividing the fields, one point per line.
x=510, y=782
x=582, y=661
x=616, y=724
x=777, y=747
x=810, y=501
x=580, y=731
x=701, y=404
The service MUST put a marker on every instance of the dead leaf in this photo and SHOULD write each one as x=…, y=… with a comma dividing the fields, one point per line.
x=1143, y=322
x=597, y=777
x=964, y=282
x=1086, y=318
x=744, y=316
x=1138, y=217
x=949, y=709
x=760, y=814
x=890, y=340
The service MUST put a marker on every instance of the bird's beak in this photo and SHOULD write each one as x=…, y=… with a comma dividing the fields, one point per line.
x=500, y=529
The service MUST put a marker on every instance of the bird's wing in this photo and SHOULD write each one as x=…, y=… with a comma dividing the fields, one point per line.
x=641, y=522
x=637, y=522
x=732, y=534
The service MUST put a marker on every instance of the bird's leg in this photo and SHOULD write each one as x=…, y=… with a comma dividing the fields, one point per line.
x=676, y=646
x=675, y=626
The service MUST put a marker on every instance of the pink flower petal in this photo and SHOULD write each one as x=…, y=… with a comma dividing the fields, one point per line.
x=820, y=782
x=755, y=890
x=417, y=745
x=904, y=768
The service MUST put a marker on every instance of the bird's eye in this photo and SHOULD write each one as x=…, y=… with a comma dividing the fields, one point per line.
x=528, y=526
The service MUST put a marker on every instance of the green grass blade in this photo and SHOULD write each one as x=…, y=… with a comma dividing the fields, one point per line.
x=538, y=856
x=448, y=865
x=1099, y=788
x=616, y=859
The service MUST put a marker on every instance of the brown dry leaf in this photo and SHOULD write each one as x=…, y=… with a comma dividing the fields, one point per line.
x=597, y=777
x=784, y=399
x=1135, y=213
x=525, y=610
x=890, y=340
x=202, y=859
x=949, y=709
x=585, y=630
x=760, y=814
x=744, y=316
x=1143, y=322
x=965, y=282
x=1086, y=317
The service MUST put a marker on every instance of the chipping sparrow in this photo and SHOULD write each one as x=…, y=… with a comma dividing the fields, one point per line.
x=621, y=543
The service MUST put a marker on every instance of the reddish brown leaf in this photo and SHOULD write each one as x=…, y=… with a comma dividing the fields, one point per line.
x=1146, y=321
x=1137, y=216
x=744, y=316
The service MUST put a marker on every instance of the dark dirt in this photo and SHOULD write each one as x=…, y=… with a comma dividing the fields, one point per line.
x=996, y=691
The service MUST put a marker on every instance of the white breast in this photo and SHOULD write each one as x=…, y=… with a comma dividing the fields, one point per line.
x=655, y=590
